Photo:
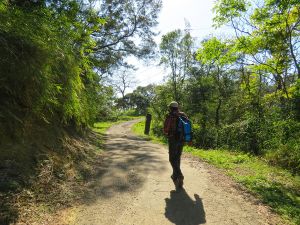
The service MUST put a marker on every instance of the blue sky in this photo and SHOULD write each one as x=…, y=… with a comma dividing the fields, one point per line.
x=173, y=15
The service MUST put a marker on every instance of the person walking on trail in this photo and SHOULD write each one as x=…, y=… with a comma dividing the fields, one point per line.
x=175, y=142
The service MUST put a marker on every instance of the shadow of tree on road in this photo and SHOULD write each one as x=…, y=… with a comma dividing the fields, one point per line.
x=181, y=209
x=126, y=161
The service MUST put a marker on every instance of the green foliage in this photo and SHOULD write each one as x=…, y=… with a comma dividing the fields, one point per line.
x=214, y=51
x=176, y=55
x=53, y=55
x=47, y=74
x=287, y=156
x=241, y=93
x=139, y=100
x=226, y=9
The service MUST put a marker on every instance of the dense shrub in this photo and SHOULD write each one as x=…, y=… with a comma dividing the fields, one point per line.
x=287, y=156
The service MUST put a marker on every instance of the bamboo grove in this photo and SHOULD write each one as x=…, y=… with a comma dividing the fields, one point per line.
x=55, y=53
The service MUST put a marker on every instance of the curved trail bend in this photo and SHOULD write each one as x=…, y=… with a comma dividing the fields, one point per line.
x=135, y=188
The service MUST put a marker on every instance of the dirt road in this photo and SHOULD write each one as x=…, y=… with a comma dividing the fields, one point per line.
x=136, y=188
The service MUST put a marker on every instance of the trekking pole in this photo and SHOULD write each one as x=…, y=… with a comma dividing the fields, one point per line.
x=147, y=124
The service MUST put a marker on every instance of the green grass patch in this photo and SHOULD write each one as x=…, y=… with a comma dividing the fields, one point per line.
x=274, y=186
x=139, y=129
x=102, y=127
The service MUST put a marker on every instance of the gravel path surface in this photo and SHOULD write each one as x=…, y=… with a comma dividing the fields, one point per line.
x=136, y=188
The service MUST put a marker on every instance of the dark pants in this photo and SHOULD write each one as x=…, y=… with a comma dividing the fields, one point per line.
x=175, y=151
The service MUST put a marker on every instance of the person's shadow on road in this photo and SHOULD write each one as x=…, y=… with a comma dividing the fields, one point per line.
x=182, y=210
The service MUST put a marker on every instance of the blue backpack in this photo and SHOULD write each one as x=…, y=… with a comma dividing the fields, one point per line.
x=184, y=127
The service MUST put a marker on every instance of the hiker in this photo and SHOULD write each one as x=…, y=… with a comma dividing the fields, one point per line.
x=175, y=141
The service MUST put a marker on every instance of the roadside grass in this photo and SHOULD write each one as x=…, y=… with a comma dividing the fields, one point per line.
x=139, y=128
x=102, y=127
x=274, y=186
